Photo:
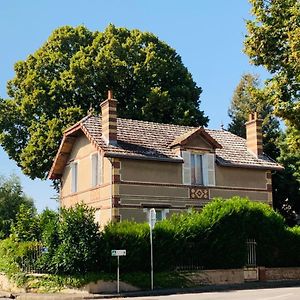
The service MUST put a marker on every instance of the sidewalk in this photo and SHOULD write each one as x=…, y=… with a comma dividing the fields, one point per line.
x=159, y=292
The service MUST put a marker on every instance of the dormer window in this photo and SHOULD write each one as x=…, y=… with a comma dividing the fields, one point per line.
x=198, y=168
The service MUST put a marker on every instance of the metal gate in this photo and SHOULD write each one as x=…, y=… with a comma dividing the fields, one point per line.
x=251, y=253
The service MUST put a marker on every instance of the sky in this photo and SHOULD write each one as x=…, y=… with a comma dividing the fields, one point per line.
x=208, y=35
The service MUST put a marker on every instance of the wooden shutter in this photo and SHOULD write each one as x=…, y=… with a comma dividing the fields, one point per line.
x=100, y=172
x=209, y=169
x=94, y=169
x=186, y=168
x=74, y=175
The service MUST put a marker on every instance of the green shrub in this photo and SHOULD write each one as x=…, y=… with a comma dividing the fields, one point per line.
x=133, y=237
x=15, y=257
x=73, y=242
x=26, y=226
x=229, y=223
x=178, y=241
x=213, y=238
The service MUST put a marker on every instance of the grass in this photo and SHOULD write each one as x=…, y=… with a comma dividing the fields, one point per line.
x=48, y=283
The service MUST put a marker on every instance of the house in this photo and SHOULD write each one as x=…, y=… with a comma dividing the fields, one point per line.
x=124, y=167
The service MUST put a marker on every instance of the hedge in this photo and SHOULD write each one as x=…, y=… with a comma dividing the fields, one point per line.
x=213, y=238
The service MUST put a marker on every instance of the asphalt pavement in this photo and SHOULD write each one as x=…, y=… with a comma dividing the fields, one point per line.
x=277, y=290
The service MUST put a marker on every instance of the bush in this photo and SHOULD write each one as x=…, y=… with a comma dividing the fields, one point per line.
x=229, y=223
x=26, y=226
x=73, y=242
x=131, y=236
x=213, y=238
x=15, y=257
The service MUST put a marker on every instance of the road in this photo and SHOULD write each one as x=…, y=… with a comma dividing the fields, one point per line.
x=291, y=293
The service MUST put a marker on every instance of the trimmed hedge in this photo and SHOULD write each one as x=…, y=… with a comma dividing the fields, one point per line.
x=134, y=237
x=213, y=238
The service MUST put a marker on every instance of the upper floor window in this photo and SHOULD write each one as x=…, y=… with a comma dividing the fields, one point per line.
x=74, y=179
x=198, y=169
x=96, y=169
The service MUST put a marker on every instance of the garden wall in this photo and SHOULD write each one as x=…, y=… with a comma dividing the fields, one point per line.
x=280, y=274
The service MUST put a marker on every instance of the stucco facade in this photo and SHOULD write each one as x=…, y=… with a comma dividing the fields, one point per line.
x=130, y=186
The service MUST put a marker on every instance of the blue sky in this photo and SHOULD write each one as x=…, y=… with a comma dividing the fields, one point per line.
x=208, y=35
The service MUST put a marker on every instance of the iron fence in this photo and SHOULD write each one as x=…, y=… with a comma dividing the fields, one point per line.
x=29, y=262
x=251, y=253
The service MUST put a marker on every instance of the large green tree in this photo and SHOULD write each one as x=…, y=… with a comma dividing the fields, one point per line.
x=273, y=41
x=12, y=198
x=55, y=86
x=248, y=97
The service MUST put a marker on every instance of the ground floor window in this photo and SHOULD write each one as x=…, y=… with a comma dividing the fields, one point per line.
x=161, y=213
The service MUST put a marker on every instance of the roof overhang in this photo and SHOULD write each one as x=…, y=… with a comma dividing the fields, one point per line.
x=249, y=166
x=143, y=157
x=63, y=153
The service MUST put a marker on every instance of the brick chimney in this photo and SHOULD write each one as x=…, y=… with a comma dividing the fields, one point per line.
x=254, y=134
x=109, y=119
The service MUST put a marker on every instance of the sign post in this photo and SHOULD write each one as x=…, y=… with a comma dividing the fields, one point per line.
x=152, y=221
x=118, y=253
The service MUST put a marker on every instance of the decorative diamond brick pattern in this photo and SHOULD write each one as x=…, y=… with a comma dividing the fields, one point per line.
x=199, y=193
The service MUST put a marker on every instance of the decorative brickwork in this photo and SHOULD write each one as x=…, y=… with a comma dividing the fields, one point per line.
x=254, y=134
x=115, y=188
x=109, y=119
x=199, y=193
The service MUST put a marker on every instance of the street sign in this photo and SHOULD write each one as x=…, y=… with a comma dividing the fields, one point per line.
x=118, y=252
x=152, y=218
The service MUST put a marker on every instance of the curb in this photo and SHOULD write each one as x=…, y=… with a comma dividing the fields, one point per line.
x=164, y=292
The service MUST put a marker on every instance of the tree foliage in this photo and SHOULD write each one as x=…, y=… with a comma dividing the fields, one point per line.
x=72, y=71
x=12, y=198
x=273, y=42
x=248, y=98
x=26, y=228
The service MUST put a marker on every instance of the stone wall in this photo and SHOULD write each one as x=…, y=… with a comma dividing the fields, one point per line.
x=281, y=274
x=9, y=286
x=208, y=277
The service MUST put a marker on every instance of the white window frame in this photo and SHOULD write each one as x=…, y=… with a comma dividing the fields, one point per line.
x=208, y=168
x=96, y=169
x=74, y=176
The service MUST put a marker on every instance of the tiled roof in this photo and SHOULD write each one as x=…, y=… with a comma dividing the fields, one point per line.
x=149, y=140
